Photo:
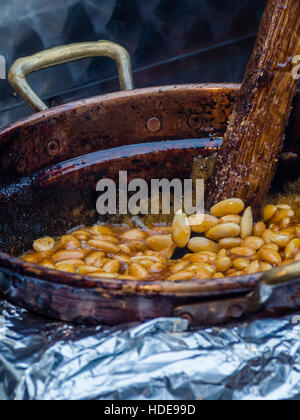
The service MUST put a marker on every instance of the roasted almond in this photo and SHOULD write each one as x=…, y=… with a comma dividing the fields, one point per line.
x=67, y=255
x=241, y=263
x=269, y=211
x=181, y=230
x=247, y=223
x=67, y=268
x=180, y=266
x=227, y=243
x=95, y=259
x=74, y=262
x=48, y=264
x=43, y=244
x=112, y=266
x=69, y=242
x=280, y=239
x=253, y=268
x=105, y=246
x=282, y=214
x=225, y=230
x=138, y=271
x=254, y=242
x=259, y=229
x=270, y=256
x=223, y=264
x=87, y=269
x=226, y=207
x=159, y=242
x=203, y=274
x=101, y=230
x=201, y=223
x=202, y=244
x=292, y=248
x=243, y=252
x=205, y=256
x=182, y=275
x=133, y=235
x=231, y=218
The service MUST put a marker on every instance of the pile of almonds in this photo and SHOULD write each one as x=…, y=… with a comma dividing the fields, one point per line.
x=221, y=244
x=106, y=252
x=230, y=245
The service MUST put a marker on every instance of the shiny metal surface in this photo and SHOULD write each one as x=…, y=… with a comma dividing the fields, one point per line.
x=227, y=310
x=66, y=54
x=161, y=359
x=169, y=41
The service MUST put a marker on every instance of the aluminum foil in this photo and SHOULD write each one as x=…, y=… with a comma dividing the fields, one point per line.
x=160, y=359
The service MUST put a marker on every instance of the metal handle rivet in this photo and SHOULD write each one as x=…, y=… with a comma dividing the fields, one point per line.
x=195, y=121
x=53, y=148
x=187, y=317
x=154, y=124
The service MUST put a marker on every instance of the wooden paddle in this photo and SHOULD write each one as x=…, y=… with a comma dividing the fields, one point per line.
x=248, y=158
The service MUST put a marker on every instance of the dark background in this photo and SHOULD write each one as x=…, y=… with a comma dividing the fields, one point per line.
x=170, y=41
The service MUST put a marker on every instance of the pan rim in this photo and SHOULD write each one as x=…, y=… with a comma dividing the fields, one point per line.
x=114, y=95
x=194, y=288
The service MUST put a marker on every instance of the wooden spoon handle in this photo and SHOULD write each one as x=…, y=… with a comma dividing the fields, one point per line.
x=248, y=158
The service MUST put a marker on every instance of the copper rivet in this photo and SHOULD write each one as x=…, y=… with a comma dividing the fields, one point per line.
x=154, y=124
x=236, y=311
x=195, y=121
x=188, y=317
x=53, y=148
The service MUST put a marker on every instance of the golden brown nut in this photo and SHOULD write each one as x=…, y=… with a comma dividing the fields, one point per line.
x=226, y=207
x=43, y=244
x=270, y=256
x=102, y=230
x=69, y=242
x=66, y=268
x=182, y=275
x=138, y=271
x=247, y=223
x=104, y=246
x=181, y=230
x=112, y=266
x=159, y=242
x=133, y=235
x=254, y=242
x=67, y=255
x=243, y=252
x=202, y=223
x=224, y=230
x=259, y=229
x=199, y=244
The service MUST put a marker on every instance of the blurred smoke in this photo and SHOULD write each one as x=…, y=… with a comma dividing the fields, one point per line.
x=170, y=41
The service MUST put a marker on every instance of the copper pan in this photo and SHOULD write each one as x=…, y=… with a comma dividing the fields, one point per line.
x=50, y=164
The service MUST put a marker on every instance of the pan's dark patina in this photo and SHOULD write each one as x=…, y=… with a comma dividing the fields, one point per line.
x=50, y=165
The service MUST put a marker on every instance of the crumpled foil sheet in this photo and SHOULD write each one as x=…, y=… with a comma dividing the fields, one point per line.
x=160, y=359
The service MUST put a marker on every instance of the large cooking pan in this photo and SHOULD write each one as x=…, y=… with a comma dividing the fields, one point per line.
x=50, y=165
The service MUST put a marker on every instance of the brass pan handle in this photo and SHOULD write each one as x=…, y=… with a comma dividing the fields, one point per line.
x=65, y=54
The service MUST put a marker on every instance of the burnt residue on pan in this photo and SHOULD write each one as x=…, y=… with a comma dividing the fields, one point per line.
x=63, y=196
x=118, y=119
x=50, y=165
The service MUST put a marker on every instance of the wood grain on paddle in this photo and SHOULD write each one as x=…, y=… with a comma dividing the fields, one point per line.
x=248, y=158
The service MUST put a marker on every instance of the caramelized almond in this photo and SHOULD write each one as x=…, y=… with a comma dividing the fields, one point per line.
x=43, y=244
x=67, y=255
x=181, y=230
x=105, y=246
